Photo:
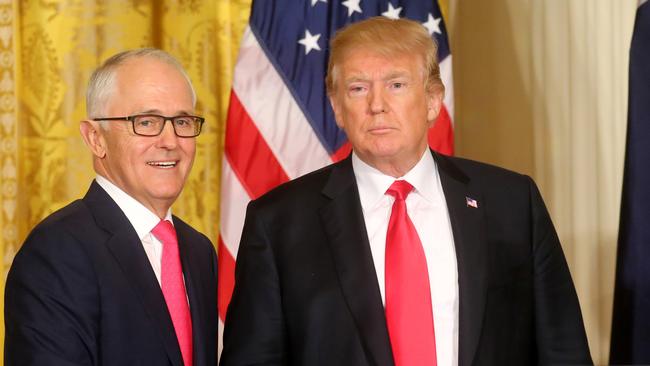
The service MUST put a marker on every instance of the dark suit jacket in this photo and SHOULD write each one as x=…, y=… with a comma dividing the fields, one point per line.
x=81, y=291
x=306, y=290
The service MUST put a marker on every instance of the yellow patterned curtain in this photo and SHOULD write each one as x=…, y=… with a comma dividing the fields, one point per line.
x=47, y=51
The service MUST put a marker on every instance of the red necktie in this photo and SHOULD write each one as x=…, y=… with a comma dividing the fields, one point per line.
x=173, y=288
x=408, y=295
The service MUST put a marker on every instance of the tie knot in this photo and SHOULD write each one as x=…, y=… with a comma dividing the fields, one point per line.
x=400, y=189
x=165, y=232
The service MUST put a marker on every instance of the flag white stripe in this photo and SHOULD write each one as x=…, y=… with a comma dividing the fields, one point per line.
x=448, y=81
x=276, y=114
x=233, y=209
x=219, y=339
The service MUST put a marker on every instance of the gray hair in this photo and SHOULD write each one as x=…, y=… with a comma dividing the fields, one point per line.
x=102, y=81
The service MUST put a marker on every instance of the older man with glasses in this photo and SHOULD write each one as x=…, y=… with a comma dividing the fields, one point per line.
x=114, y=278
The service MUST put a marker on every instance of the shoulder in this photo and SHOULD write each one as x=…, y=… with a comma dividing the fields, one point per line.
x=300, y=192
x=500, y=190
x=64, y=237
x=69, y=223
x=487, y=177
x=476, y=170
x=57, y=250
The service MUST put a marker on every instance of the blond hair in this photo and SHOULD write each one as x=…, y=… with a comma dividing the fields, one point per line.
x=102, y=81
x=388, y=38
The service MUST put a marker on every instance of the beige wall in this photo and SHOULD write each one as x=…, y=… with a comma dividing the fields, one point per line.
x=541, y=88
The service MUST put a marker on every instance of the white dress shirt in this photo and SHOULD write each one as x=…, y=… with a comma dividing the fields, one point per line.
x=142, y=220
x=427, y=209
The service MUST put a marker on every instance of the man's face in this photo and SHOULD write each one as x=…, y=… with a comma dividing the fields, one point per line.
x=382, y=105
x=150, y=169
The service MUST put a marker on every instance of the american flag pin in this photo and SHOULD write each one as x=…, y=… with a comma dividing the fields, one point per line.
x=471, y=202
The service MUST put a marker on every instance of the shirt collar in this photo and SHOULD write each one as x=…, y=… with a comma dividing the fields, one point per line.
x=373, y=184
x=140, y=217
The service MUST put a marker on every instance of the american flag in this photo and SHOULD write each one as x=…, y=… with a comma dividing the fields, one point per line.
x=471, y=202
x=280, y=124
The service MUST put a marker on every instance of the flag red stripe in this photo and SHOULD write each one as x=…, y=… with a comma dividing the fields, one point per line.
x=342, y=152
x=226, y=278
x=441, y=135
x=248, y=153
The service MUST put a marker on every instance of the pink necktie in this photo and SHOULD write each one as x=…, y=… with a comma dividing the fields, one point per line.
x=408, y=297
x=173, y=288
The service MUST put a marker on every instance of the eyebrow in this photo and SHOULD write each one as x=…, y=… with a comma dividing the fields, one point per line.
x=397, y=74
x=363, y=78
x=159, y=112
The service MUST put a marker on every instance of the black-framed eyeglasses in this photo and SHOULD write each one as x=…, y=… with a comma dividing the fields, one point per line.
x=153, y=124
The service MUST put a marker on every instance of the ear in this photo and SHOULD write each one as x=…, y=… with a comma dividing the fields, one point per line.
x=93, y=136
x=336, y=107
x=434, y=104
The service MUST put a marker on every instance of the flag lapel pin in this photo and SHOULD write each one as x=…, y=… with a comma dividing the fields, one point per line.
x=471, y=202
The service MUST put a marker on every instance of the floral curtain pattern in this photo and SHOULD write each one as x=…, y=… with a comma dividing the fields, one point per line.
x=48, y=50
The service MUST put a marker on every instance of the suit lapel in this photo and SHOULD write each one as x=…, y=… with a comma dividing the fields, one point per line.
x=193, y=280
x=127, y=249
x=343, y=222
x=468, y=227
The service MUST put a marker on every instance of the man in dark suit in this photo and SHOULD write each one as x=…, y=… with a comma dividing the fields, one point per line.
x=114, y=278
x=331, y=270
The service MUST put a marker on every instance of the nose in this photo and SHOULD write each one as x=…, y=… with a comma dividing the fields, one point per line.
x=377, y=101
x=167, y=138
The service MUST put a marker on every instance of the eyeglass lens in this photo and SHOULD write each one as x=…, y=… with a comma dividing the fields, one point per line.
x=152, y=125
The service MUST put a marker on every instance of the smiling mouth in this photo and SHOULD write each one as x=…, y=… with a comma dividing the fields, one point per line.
x=162, y=164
